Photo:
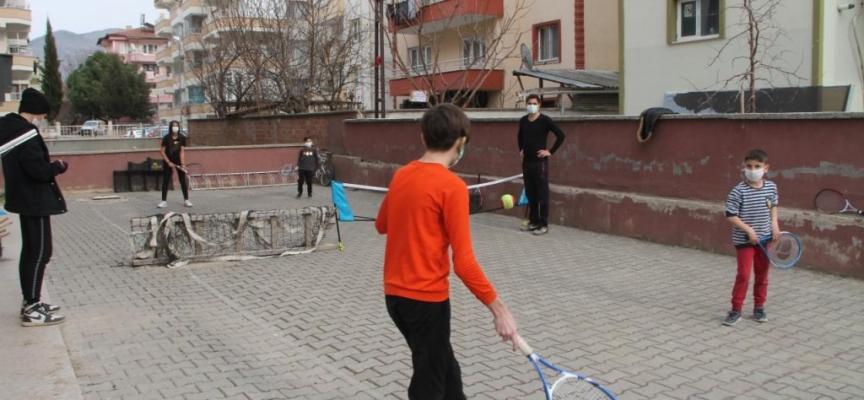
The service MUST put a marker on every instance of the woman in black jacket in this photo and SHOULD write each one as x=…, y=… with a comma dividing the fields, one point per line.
x=32, y=192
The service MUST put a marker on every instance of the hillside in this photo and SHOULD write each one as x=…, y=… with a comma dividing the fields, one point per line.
x=72, y=48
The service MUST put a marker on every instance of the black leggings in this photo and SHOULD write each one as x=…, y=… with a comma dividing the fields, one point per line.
x=426, y=328
x=36, y=251
x=304, y=175
x=167, y=175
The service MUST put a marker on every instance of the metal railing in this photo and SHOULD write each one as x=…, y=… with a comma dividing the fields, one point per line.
x=18, y=49
x=101, y=131
x=458, y=64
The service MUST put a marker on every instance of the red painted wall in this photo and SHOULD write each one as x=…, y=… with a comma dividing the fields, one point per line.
x=95, y=171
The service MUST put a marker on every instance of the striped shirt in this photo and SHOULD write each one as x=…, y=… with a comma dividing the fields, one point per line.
x=753, y=206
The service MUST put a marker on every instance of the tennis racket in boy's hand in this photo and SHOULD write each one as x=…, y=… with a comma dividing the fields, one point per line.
x=559, y=384
x=784, y=252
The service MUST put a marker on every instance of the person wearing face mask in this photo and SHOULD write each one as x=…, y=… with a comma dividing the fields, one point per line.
x=307, y=163
x=532, y=138
x=173, y=151
x=751, y=208
x=424, y=215
x=32, y=192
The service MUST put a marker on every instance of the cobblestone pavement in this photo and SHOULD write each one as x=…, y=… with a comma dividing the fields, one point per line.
x=642, y=318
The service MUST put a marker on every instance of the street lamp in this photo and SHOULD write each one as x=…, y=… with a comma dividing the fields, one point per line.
x=182, y=72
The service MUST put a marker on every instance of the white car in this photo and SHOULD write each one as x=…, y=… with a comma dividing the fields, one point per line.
x=93, y=127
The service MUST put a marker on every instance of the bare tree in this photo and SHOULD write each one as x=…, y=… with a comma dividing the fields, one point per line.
x=485, y=46
x=766, y=60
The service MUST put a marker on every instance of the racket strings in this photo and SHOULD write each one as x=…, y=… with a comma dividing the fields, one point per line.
x=572, y=388
x=830, y=201
x=784, y=250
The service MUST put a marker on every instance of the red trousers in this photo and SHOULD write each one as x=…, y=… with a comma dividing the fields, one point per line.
x=751, y=258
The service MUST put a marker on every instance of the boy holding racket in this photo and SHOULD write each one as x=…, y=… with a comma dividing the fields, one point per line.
x=751, y=208
x=425, y=214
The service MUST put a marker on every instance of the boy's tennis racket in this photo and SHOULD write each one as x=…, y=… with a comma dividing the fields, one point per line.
x=785, y=252
x=833, y=202
x=566, y=385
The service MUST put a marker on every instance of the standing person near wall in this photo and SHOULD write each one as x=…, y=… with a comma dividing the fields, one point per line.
x=32, y=192
x=173, y=151
x=532, y=138
x=307, y=163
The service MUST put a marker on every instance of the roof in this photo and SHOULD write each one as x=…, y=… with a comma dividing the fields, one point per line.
x=584, y=79
x=145, y=32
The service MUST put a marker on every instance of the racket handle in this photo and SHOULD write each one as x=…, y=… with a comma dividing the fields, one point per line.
x=523, y=346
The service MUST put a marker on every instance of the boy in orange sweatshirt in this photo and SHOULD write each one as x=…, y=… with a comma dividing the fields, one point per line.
x=424, y=214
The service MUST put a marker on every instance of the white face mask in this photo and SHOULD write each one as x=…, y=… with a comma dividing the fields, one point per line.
x=533, y=109
x=36, y=121
x=175, y=129
x=754, y=175
x=459, y=157
x=308, y=144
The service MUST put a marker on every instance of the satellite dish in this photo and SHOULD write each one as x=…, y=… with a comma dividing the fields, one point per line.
x=527, y=57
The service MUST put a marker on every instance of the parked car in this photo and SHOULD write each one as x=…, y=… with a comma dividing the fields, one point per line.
x=93, y=127
x=141, y=132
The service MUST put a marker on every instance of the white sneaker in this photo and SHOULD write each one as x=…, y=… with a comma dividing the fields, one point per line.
x=187, y=203
x=162, y=204
x=37, y=315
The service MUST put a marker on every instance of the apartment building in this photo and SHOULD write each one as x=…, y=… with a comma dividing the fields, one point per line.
x=138, y=46
x=671, y=49
x=15, y=24
x=220, y=56
x=444, y=48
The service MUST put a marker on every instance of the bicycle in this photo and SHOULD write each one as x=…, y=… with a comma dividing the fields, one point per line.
x=324, y=174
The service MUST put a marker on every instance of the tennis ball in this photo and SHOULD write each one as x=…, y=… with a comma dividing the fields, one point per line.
x=507, y=201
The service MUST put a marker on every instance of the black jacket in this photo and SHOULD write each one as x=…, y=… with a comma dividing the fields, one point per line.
x=29, y=173
x=308, y=159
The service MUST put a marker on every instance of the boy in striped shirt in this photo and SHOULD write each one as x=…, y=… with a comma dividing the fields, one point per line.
x=751, y=208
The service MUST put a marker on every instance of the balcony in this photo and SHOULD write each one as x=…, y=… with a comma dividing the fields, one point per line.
x=191, y=7
x=166, y=83
x=164, y=55
x=15, y=16
x=163, y=26
x=431, y=16
x=445, y=74
x=22, y=67
x=139, y=58
x=164, y=4
x=161, y=99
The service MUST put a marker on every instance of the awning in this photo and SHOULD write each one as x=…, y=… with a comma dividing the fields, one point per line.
x=581, y=79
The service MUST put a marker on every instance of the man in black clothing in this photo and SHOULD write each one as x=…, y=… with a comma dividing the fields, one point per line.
x=307, y=164
x=32, y=193
x=534, y=131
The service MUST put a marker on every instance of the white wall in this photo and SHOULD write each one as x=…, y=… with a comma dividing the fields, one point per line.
x=841, y=60
x=653, y=67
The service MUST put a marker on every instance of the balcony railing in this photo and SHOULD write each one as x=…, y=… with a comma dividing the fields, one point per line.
x=22, y=50
x=459, y=64
x=15, y=4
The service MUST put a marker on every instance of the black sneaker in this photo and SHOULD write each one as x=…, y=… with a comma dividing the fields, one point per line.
x=529, y=228
x=37, y=315
x=48, y=307
x=759, y=314
x=732, y=318
x=299, y=195
x=310, y=195
x=541, y=231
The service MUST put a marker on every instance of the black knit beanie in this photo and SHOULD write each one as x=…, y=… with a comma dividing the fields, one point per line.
x=33, y=102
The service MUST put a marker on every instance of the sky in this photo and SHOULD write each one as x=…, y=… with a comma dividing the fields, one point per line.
x=83, y=16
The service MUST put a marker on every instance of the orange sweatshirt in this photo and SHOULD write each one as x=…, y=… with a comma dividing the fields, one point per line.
x=424, y=214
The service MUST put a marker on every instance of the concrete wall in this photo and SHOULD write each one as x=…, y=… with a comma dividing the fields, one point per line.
x=671, y=189
x=277, y=129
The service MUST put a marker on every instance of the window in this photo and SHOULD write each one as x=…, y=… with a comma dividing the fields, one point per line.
x=421, y=59
x=697, y=19
x=473, y=51
x=547, y=39
x=355, y=29
x=196, y=94
x=148, y=49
